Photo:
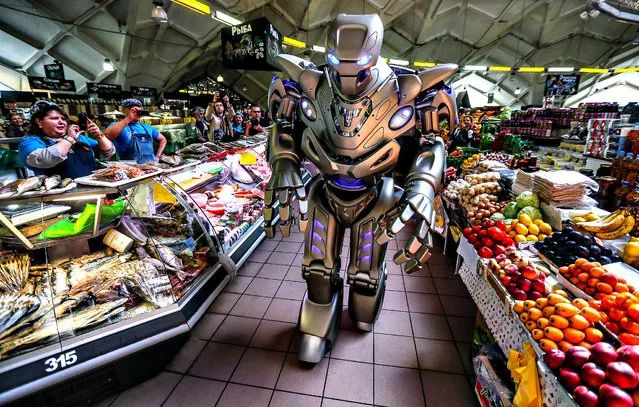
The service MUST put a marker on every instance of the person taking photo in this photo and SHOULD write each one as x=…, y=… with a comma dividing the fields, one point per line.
x=220, y=114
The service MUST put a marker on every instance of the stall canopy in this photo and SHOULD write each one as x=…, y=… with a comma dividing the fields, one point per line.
x=83, y=33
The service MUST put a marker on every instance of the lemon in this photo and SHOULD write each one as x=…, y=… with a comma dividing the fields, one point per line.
x=525, y=220
x=520, y=238
x=545, y=228
x=531, y=238
x=513, y=224
x=508, y=228
x=591, y=217
x=533, y=229
x=512, y=234
x=632, y=249
x=521, y=229
x=541, y=236
x=538, y=222
x=578, y=219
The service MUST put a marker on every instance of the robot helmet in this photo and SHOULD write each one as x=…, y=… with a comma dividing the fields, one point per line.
x=352, y=48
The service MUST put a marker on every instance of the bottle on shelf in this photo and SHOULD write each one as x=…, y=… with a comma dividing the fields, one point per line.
x=633, y=173
x=621, y=193
x=632, y=198
x=626, y=163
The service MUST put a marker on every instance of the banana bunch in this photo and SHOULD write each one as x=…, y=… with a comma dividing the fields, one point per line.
x=613, y=226
x=588, y=217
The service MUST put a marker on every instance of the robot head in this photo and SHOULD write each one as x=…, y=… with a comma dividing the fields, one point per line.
x=352, y=48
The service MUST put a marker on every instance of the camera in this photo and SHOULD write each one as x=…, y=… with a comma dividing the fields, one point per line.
x=82, y=120
x=142, y=112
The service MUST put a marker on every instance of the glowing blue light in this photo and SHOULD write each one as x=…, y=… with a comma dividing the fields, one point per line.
x=364, y=60
x=367, y=235
x=400, y=118
x=317, y=237
x=319, y=225
x=317, y=250
x=367, y=247
x=332, y=59
x=365, y=259
x=348, y=183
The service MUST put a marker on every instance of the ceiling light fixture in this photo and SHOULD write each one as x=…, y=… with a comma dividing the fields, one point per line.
x=624, y=70
x=220, y=78
x=225, y=18
x=244, y=88
x=293, y=42
x=529, y=69
x=107, y=66
x=583, y=15
x=424, y=64
x=499, y=69
x=399, y=62
x=194, y=5
x=518, y=90
x=561, y=69
x=159, y=14
x=594, y=13
x=317, y=48
x=475, y=68
x=594, y=70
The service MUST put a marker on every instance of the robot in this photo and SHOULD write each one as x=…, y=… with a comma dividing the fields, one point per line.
x=346, y=117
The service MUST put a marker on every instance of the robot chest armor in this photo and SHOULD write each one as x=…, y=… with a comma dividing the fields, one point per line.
x=354, y=138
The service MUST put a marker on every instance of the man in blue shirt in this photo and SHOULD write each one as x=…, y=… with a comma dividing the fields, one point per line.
x=132, y=139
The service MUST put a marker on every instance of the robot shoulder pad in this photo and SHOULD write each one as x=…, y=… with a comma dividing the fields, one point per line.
x=409, y=87
x=436, y=74
x=292, y=65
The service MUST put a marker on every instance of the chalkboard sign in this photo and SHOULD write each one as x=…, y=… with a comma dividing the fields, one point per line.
x=105, y=90
x=142, y=91
x=562, y=85
x=252, y=45
x=42, y=83
x=54, y=71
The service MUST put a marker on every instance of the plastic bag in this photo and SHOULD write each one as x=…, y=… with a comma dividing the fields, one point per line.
x=75, y=225
x=523, y=368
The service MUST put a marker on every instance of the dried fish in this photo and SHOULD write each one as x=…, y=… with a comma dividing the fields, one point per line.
x=52, y=182
x=29, y=184
x=65, y=182
x=14, y=307
x=163, y=253
x=14, y=272
x=11, y=186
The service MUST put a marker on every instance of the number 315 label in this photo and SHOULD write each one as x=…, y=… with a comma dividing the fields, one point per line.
x=60, y=362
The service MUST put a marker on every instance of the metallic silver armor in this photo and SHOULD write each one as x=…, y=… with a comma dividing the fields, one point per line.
x=345, y=117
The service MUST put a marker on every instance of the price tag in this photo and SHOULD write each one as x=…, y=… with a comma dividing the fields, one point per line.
x=147, y=121
x=60, y=362
x=166, y=121
x=468, y=253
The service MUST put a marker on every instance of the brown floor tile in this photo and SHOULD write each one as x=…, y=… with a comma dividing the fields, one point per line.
x=441, y=356
x=283, y=399
x=430, y=326
x=394, y=282
x=294, y=274
x=273, y=335
x=259, y=367
x=206, y=327
x=283, y=310
x=194, y=391
x=458, y=306
x=393, y=322
x=424, y=303
x=441, y=259
x=236, y=330
x=395, y=351
x=462, y=328
x=224, y=303
x=152, y=392
x=263, y=287
x=260, y=256
x=443, y=271
x=281, y=258
x=299, y=258
x=269, y=245
x=288, y=247
x=395, y=386
x=186, y=355
x=466, y=350
x=295, y=237
x=251, y=306
x=236, y=395
x=419, y=285
x=444, y=389
x=351, y=381
x=326, y=402
x=238, y=284
x=291, y=290
x=450, y=287
x=392, y=267
x=302, y=378
x=346, y=322
x=353, y=345
x=395, y=301
x=250, y=268
x=273, y=271
x=217, y=361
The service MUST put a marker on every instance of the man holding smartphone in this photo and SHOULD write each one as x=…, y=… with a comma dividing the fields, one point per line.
x=256, y=124
x=220, y=114
x=132, y=139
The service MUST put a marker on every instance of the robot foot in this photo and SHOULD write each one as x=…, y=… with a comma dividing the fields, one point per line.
x=312, y=348
x=319, y=324
x=363, y=326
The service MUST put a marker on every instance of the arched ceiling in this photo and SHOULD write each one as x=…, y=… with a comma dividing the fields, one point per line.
x=81, y=33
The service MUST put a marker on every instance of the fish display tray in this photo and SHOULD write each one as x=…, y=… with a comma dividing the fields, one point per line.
x=31, y=194
x=88, y=180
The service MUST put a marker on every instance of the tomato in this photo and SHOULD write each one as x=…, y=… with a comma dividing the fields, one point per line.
x=476, y=228
x=485, y=252
x=495, y=233
x=472, y=238
x=478, y=244
x=488, y=242
x=467, y=232
x=508, y=241
x=501, y=225
x=482, y=233
x=490, y=223
x=499, y=249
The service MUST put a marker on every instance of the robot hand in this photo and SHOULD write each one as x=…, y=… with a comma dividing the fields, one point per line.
x=285, y=184
x=415, y=203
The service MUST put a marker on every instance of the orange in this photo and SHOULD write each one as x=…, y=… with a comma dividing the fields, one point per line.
x=630, y=325
x=563, y=269
x=622, y=280
x=582, y=286
x=559, y=322
x=548, y=311
x=546, y=344
x=627, y=338
x=537, y=334
x=574, y=280
x=593, y=335
x=590, y=314
x=530, y=325
x=633, y=311
x=573, y=335
x=587, y=266
x=542, y=322
x=604, y=288
x=523, y=317
x=528, y=304
x=580, y=262
x=621, y=288
x=596, y=304
x=616, y=314
x=566, y=310
x=535, y=313
x=580, y=303
x=583, y=276
x=519, y=307
x=561, y=293
x=592, y=282
x=585, y=344
x=596, y=272
x=579, y=322
x=564, y=345
x=608, y=302
x=553, y=333
x=541, y=302
x=554, y=299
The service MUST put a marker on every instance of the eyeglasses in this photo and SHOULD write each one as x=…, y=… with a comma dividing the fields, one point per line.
x=41, y=105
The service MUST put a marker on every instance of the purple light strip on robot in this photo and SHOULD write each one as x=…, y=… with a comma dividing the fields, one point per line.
x=318, y=225
x=367, y=235
x=317, y=250
x=318, y=237
x=367, y=247
x=365, y=259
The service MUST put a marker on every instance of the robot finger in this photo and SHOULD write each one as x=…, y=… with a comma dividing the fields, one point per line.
x=401, y=256
x=421, y=230
x=420, y=204
x=383, y=235
x=428, y=240
x=303, y=203
x=406, y=214
x=413, y=245
x=422, y=255
x=301, y=193
x=270, y=230
x=268, y=215
x=283, y=196
x=412, y=266
x=396, y=226
x=285, y=228
x=285, y=212
x=303, y=223
x=269, y=196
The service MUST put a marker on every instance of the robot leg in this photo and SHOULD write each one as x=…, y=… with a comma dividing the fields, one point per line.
x=366, y=270
x=321, y=309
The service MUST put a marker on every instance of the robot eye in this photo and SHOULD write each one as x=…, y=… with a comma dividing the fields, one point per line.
x=332, y=59
x=364, y=60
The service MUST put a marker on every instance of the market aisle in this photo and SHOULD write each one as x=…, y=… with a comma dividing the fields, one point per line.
x=243, y=351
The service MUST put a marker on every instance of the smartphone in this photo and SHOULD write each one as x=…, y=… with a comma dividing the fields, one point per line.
x=82, y=120
x=142, y=112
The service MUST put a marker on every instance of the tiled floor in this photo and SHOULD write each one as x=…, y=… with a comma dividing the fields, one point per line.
x=243, y=351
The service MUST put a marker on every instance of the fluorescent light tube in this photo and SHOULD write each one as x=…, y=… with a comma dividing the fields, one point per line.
x=194, y=5
x=225, y=18
x=317, y=48
x=400, y=62
x=475, y=68
x=561, y=69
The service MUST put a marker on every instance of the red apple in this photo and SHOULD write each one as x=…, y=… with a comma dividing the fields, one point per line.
x=511, y=287
x=554, y=358
x=569, y=378
x=515, y=276
x=586, y=397
x=519, y=295
x=622, y=374
x=577, y=356
x=528, y=272
x=592, y=375
x=534, y=295
x=505, y=263
x=609, y=278
x=630, y=355
x=505, y=281
x=524, y=284
x=538, y=285
x=511, y=269
x=501, y=257
x=613, y=396
x=603, y=353
x=541, y=277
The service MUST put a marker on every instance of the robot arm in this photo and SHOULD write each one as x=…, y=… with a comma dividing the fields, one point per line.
x=422, y=184
x=284, y=155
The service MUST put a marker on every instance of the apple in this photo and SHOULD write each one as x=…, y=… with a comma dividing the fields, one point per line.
x=528, y=272
x=501, y=257
x=554, y=358
x=538, y=285
x=577, y=356
x=622, y=374
x=541, y=277
x=505, y=280
x=534, y=295
x=505, y=263
x=521, y=262
x=493, y=265
x=519, y=295
x=502, y=275
x=515, y=276
x=609, y=278
x=511, y=287
x=630, y=355
x=586, y=397
x=592, y=375
x=613, y=396
x=511, y=268
x=569, y=378
x=603, y=353
x=524, y=284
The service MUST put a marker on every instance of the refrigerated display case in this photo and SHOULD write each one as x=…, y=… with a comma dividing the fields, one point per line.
x=96, y=275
